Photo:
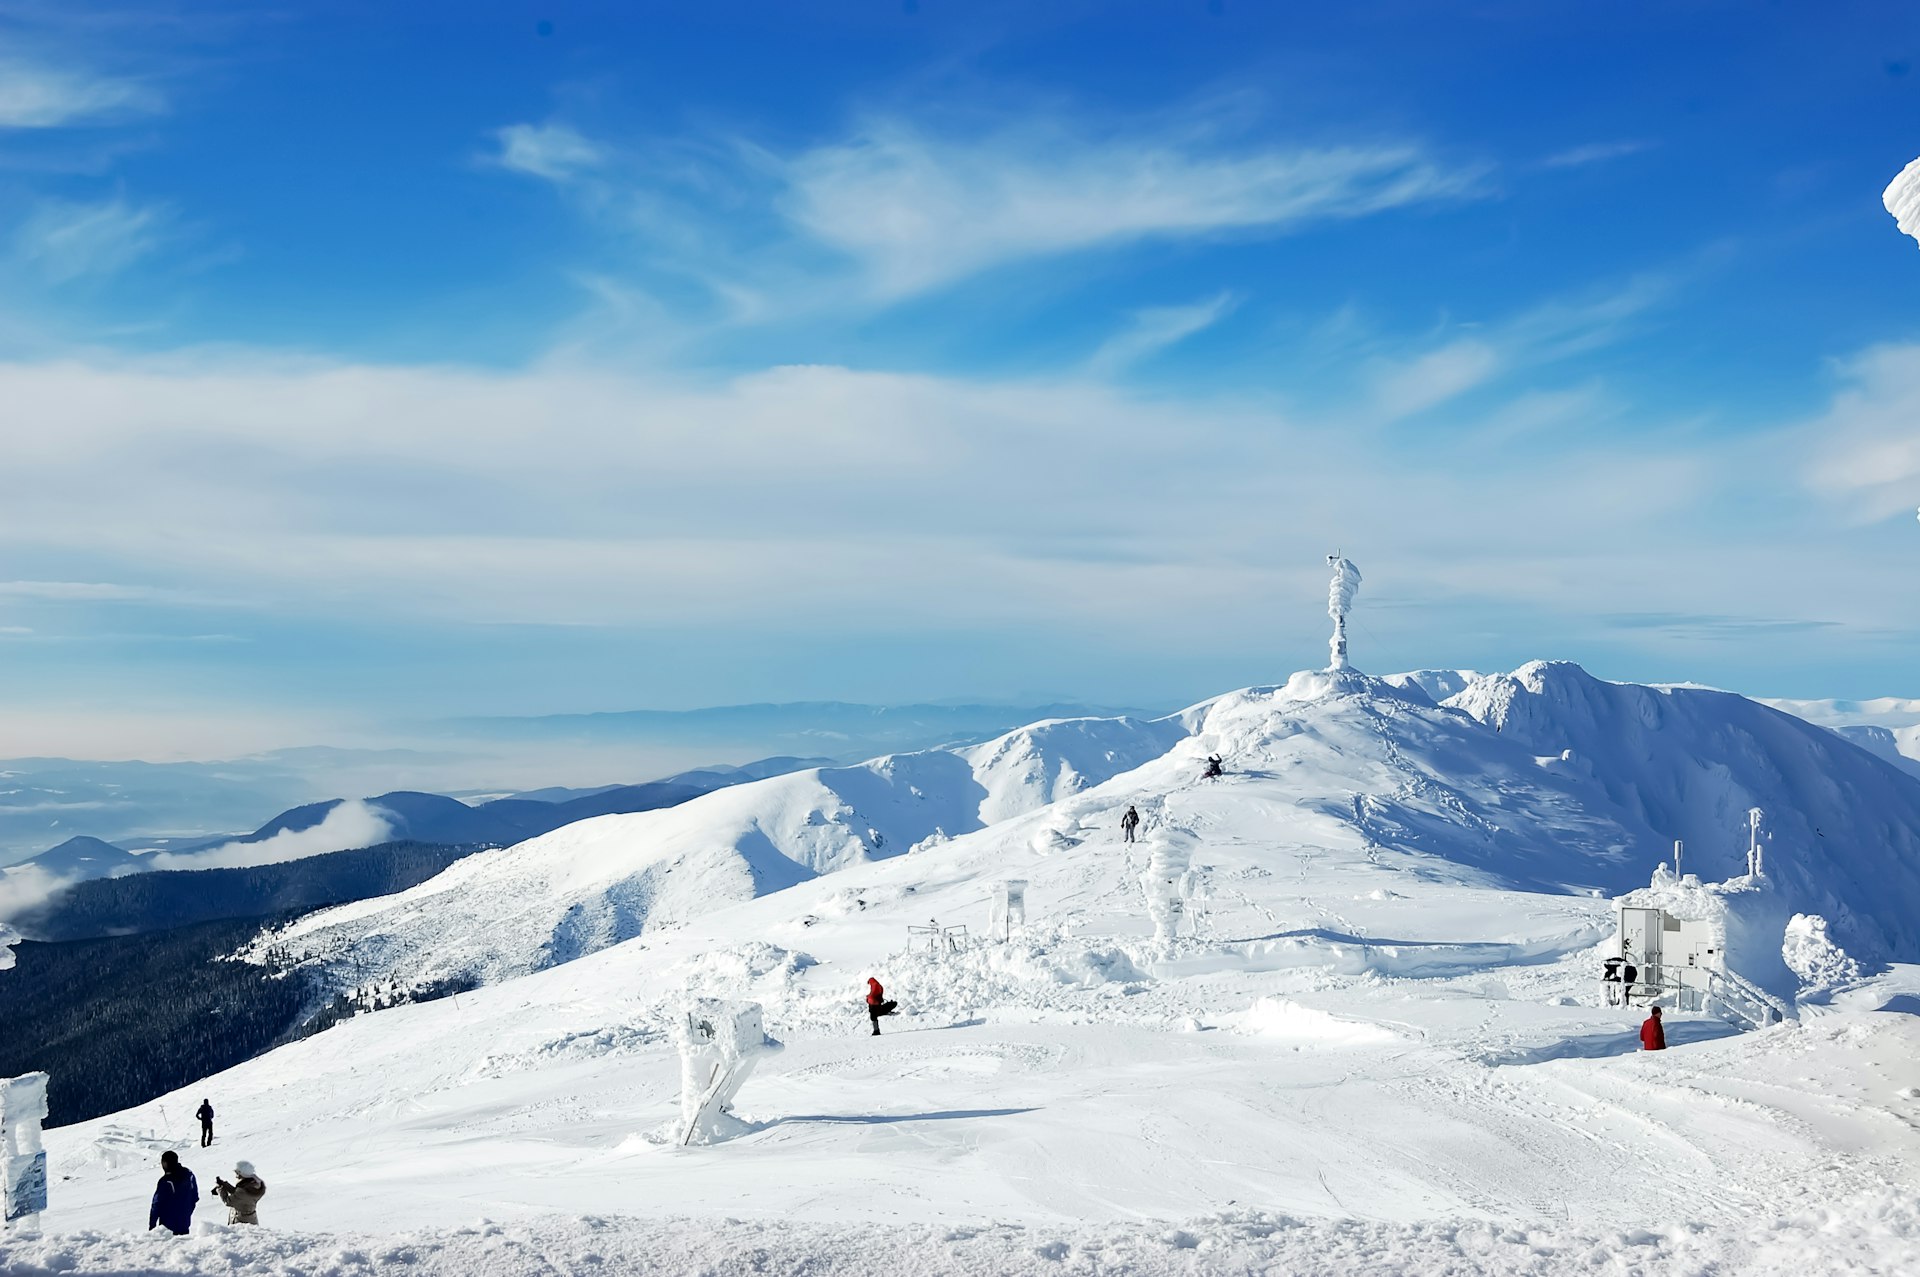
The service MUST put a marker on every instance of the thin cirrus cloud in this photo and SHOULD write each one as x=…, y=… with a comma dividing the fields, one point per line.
x=908, y=210
x=553, y=152
x=1865, y=449
x=916, y=211
x=1594, y=153
x=1153, y=329
x=35, y=96
x=66, y=241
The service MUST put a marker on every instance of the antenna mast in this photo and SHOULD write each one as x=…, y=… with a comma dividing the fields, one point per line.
x=1340, y=594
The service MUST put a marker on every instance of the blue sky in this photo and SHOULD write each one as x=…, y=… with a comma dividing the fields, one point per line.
x=362, y=364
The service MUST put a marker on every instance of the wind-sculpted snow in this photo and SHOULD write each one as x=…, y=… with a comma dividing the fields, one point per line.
x=1687, y=763
x=598, y=882
x=1902, y=199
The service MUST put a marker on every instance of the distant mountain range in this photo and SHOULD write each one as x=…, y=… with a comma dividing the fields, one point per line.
x=143, y=805
x=404, y=816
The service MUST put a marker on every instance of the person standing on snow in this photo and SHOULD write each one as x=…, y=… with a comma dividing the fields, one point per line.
x=1129, y=823
x=877, y=1004
x=1653, y=1037
x=174, y=1197
x=206, y=1122
x=243, y=1197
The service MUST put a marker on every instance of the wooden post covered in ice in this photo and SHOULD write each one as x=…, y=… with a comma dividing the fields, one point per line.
x=23, y=1162
x=720, y=1043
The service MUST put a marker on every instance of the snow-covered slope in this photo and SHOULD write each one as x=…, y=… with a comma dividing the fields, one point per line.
x=1390, y=1034
x=1546, y=779
x=1688, y=763
x=598, y=882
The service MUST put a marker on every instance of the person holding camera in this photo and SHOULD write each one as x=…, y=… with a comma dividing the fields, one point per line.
x=242, y=1197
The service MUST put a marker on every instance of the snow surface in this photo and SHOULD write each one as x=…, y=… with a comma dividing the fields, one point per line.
x=1386, y=1052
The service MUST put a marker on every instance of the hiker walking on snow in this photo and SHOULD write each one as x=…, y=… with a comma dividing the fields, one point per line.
x=206, y=1122
x=877, y=1004
x=1653, y=1037
x=1129, y=823
x=174, y=1197
x=242, y=1197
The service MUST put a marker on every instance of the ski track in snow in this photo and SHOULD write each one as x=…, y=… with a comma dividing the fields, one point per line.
x=1376, y=1058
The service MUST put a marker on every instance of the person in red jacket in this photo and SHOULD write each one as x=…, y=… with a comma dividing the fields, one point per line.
x=877, y=1004
x=1652, y=1036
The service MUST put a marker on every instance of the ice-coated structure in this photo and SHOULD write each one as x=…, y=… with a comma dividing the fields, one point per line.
x=1902, y=198
x=23, y=1162
x=1713, y=947
x=1009, y=908
x=1169, y=884
x=720, y=1043
x=1340, y=595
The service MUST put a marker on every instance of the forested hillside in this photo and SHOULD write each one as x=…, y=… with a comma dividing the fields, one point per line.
x=176, y=898
x=120, y=1020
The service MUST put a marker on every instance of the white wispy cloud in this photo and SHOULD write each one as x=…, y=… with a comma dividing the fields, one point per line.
x=1865, y=449
x=1155, y=328
x=1466, y=358
x=555, y=152
x=1595, y=153
x=1414, y=385
x=22, y=890
x=894, y=209
x=37, y=96
x=917, y=210
x=67, y=241
x=353, y=823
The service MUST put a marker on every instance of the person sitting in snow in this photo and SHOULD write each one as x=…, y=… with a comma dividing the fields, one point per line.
x=1214, y=768
x=242, y=1197
x=1129, y=823
x=174, y=1197
x=877, y=1004
x=1653, y=1037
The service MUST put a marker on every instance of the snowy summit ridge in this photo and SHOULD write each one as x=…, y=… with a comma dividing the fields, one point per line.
x=1545, y=778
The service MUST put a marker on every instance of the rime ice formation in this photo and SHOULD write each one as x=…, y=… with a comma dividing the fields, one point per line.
x=1340, y=595
x=1902, y=198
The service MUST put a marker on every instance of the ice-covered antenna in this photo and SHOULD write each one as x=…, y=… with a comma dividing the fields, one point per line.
x=1754, y=854
x=1340, y=594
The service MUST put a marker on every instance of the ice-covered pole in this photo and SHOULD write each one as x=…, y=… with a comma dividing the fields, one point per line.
x=1340, y=594
x=23, y=1161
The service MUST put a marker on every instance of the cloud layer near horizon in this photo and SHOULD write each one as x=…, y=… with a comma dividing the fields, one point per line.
x=574, y=495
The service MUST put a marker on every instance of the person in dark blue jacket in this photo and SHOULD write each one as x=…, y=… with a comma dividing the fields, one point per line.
x=175, y=1196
